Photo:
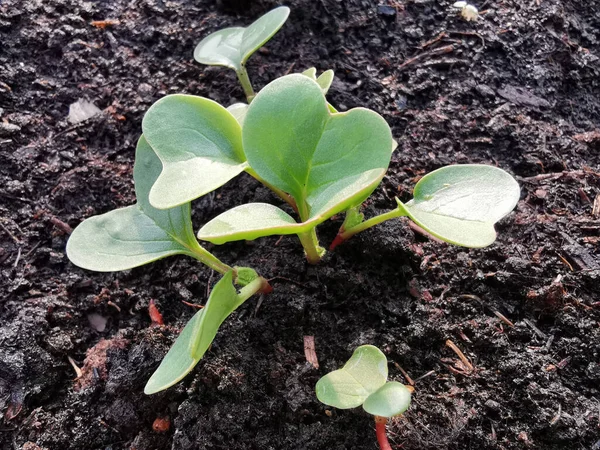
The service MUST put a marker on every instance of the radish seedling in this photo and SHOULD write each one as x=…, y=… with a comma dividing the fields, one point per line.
x=331, y=162
x=363, y=381
x=139, y=234
x=231, y=47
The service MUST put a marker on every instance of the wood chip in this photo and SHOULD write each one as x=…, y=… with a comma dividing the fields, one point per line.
x=309, y=351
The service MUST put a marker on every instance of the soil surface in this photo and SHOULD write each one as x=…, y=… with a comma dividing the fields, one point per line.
x=519, y=88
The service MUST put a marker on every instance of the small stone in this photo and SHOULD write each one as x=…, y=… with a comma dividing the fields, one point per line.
x=7, y=129
x=386, y=11
x=493, y=405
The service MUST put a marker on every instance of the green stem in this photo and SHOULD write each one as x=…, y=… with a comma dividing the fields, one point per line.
x=344, y=234
x=283, y=195
x=256, y=285
x=310, y=242
x=206, y=257
x=242, y=75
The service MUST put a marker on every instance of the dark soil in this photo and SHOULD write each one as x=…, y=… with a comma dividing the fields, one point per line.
x=517, y=89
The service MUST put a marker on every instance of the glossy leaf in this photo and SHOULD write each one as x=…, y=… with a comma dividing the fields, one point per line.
x=199, y=144
x=460, y=204
x=364, y=373
x=248, y=222
x=196, y=337
x=231, y=47
x=389, y=400
x=135, y=235
x=325, y=161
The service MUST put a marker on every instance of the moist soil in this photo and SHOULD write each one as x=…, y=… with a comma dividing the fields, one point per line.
x=519, y=88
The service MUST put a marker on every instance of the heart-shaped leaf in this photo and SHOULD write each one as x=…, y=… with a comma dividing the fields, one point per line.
x=460, y=204
x=196, y=337
x=199, y=144
x=364, y=373
x=135, y=235
x=389, y=400
x=231, y=47
x=326, y=161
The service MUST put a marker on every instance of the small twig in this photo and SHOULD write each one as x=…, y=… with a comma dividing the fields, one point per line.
x=18, y=257
x=504, y=319
x=408, y=378
x=14, y=238
x=413, y=226
x=434, y=52
x=535, y=329
x=309, y=351
x=428, y=374
x=76, y=368
x=461, y=355
x=556, y=418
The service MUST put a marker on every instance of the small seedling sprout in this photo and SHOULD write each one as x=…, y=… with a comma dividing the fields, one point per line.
x=231, y=47
x=363, y=381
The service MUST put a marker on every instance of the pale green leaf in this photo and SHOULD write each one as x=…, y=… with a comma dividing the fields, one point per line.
x=135, y=235
x=196, y=337
x=231, y=47
x=239, y=110
x=324, y=80
x=248, y=222
x=460, y=204
x=389, y=400
x=326, y=161
x=364, y=373
x=199, y=144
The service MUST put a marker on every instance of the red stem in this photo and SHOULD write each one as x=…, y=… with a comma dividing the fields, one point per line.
x=337, y=241
x=381, y=434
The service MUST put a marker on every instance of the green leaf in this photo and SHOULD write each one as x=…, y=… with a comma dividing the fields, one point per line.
x=248, y=222
x=460, y=204
x=327, y=161
x=135, y=235
x=364, y=373
x=389, y=400
x=324, y=80
x=199, y=144
x=239, y=110
x=231, y=47
x=196, y=337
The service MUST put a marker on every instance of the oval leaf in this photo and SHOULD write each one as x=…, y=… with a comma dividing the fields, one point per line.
x=248, y=222
x=326, y=161
x=364, y=373
x=231, y=47
x=196, y=337
x=389, y=400
x=199, y=144
x=460, y=204
x=136, y=235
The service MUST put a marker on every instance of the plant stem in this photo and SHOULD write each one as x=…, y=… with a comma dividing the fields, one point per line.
x=206, y=257
x=255, y=286
x=344, y=235
x=310, y=242
x=283, y=195
x=242, y=75
x=381, y=434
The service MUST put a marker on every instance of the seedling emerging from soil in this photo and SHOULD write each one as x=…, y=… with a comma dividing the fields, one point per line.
x=200, y=331
x=331, y=162
x=363, y=381
x=140, y=234
x=467, y=11
x=231, y=47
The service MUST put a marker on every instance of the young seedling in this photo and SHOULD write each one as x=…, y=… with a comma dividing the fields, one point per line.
x=231, y=47
x=363, y=381
x=200, y=331
x=139, y=234
x=293, y=141
x=331, y=162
